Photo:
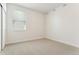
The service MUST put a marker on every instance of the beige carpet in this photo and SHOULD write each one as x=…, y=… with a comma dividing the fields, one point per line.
x=40, y=47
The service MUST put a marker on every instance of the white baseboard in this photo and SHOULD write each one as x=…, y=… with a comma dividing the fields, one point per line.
x=65, y=42
x=27, y=39
x=48, y=37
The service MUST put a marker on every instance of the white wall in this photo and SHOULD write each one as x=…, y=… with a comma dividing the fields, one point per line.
x=60, y=25
x=35, y=25
x=3, y=24
x=0, y=28
x=63, y=24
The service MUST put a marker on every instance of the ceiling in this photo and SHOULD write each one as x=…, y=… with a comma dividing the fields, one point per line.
x=41, y=7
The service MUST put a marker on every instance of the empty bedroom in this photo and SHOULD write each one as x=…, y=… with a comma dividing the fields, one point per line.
x=39, y=28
